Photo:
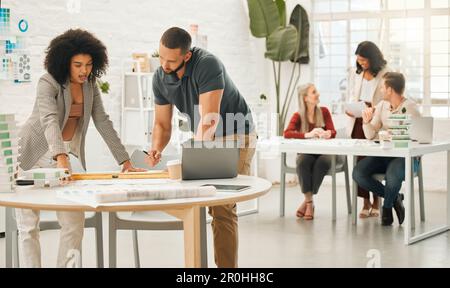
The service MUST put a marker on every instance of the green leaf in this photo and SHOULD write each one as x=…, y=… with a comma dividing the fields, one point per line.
x=281, y=44
x=281, y=5
x=103, y=85
x=299, y=19
x=264, y=17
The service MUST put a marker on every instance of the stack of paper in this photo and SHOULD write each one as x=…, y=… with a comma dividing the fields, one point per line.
x=9, y=151
x=96, y=195
x=355, y=108
x=46, y=177
x=399, y=129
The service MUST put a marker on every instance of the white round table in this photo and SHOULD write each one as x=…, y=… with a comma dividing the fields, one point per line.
x=185, y=209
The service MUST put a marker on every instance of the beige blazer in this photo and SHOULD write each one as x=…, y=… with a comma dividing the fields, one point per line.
x=354, y=92
x=42, y=132
x=383, y=111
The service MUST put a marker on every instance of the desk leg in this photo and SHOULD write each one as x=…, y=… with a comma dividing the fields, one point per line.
x=192, y=235
x=204, y=244
x=256, y=164
x=448, y=189
x=282, y=183
x=333, y=187
x=355, y=196
x=8, y=237
x=424, y=235
x=409, y=203
x=112, y=240
x=15, y=242
x=254, y=210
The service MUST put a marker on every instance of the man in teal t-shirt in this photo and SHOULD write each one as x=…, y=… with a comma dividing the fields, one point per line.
x=196, y=82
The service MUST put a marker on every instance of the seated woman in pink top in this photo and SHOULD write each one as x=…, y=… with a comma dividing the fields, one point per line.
x=311, y=121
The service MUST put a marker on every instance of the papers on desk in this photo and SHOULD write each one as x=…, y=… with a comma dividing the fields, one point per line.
x=355, y=108
x=330, y=142
x=122, y=182
x=96, y=195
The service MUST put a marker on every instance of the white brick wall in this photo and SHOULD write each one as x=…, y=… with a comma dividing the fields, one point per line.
x=135, y=26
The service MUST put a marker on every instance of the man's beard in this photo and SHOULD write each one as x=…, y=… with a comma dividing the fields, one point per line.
x=174, y=72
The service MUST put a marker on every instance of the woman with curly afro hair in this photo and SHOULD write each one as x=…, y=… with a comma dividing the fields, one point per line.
x=67, y=97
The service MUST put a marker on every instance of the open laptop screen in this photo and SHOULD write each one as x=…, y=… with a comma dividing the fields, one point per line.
x=209, y=160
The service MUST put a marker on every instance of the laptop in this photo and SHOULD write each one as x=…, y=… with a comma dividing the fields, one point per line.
x=422, y=129
x=209, y=160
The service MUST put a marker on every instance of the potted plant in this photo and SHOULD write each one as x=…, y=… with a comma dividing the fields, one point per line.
x=103, y=85
x=154, y=61
x=284, y=42
x=262, y=98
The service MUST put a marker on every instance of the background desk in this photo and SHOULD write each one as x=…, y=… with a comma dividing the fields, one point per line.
x=354, y=147
x=186, y=209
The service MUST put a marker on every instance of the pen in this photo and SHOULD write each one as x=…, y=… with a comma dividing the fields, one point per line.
x=146, y=153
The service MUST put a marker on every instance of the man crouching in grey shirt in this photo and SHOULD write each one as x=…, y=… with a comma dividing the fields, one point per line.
x=196, y=82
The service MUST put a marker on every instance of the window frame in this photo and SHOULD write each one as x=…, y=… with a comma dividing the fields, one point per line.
x=384, y=14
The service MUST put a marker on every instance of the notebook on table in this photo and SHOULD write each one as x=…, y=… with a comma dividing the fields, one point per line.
x=229, y=188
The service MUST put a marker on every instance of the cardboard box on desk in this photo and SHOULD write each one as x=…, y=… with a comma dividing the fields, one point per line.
x=144, y=63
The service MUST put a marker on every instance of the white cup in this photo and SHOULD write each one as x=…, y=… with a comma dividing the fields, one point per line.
x=174, y=168
x=385, y=139
x=384, y=136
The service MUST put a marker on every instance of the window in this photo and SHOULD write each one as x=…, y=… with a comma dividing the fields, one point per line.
x=332, y=54
x=405, y=53
x=363, y=5
x=362, y=30
x=405, y=4
x=414, y=36
x=440, y=3
x=440, y=65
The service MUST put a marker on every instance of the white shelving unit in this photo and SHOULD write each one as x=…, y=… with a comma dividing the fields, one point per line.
x=137, y=107
x=262, y=119
x=138, y=113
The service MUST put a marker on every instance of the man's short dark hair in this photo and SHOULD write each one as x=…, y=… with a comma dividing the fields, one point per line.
x=175, y=38
x=396, y=81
